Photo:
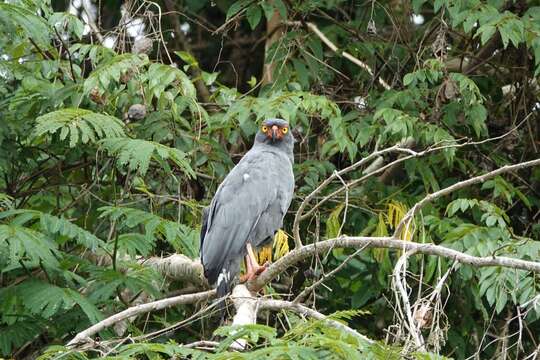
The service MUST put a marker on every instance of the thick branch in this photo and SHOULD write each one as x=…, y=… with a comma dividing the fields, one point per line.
x=179, y=267
x=357, y=242
x=303, y=253
x=246, y=310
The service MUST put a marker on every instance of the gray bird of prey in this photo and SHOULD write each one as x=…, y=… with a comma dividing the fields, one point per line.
x=248, y=207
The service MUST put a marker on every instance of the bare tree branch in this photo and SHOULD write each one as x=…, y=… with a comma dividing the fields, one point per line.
x=400, y=285
x=379, y=169
x=335, y=175
x=357, y=242
x=180, y=268
x=85, y=335
x=303, y=253
x=278, y=305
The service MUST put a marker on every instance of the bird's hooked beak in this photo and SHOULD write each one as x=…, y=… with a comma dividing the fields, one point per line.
x=275, y=130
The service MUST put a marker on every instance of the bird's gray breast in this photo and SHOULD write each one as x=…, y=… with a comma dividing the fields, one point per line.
x=280, y=195
x=249, y=206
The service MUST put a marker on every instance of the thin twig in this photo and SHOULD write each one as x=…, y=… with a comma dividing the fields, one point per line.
x=91, y=22
x=83, y=336
x=310, y=288
x=407, y=219
x=311, y=26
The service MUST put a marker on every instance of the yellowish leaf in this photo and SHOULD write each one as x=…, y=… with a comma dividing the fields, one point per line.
x=380, y=230
x=396, y=212
x=264, y=255
x=281, y=244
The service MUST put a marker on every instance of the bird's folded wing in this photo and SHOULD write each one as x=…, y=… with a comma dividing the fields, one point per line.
x=241, y=199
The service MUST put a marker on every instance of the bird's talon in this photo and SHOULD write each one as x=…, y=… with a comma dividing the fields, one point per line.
x=261, y=268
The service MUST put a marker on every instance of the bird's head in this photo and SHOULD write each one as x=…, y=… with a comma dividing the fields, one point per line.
x=274, y=131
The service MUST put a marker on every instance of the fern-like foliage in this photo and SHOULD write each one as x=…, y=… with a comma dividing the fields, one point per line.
x=161, y=76
x=137, y=153
x=80, y=125
x=181, y=237
x=17, y=334
x=46, y=300
x=40, y=302
x=111, y=70
x=170, y=350
x=26, y=21
x=53, y=225
x=6, y=202
x=133, y=276
x=19, y=243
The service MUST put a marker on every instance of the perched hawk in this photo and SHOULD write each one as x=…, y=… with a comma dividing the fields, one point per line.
x=248, y=207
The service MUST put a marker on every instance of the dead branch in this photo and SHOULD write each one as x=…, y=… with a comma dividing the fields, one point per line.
x=400, y=284
x=85, y=335
x=356, y=242
x=179, y=267
x=380, y=169
x=304, y=252
x=246, y=310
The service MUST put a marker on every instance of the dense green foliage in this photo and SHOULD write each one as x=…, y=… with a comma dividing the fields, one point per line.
x=81, y=181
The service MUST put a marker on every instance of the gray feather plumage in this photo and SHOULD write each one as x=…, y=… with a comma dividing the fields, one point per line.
x=248, y=206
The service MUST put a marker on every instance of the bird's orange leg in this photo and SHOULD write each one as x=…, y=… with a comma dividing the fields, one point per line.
x=253, y=267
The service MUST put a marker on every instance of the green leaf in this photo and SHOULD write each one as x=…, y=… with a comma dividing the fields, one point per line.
x=333, y=223
x=183, y=238
x=46, y=300
x=254, y=15
x=236, y=7
x=502, y=299
x=64, y=22
x=32, y=25
x=161, y=76
x=17, y=334
x=51, y=224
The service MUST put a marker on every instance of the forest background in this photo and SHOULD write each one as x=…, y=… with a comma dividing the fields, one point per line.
x=414, y=230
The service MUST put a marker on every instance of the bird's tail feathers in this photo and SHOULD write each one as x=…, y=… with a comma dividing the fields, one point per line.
x=224, y=282
x=224, y=286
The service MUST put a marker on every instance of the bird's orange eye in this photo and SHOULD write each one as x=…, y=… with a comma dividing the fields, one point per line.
x=264, y=128
x=284, y=130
